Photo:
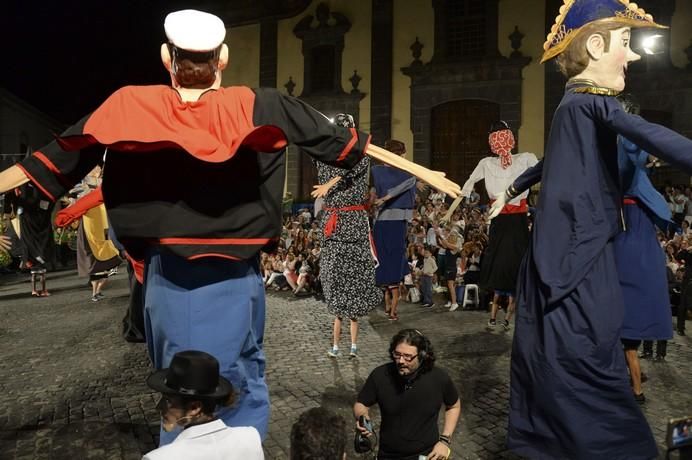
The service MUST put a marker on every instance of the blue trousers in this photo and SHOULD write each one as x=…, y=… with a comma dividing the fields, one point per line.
x=426, y=288
x=216, y=306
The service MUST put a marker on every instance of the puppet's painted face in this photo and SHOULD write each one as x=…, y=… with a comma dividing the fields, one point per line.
x=613, y=65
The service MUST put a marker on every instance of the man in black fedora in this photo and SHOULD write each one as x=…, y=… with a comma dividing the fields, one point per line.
x=191, y=390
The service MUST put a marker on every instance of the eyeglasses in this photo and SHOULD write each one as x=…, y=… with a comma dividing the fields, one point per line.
x=407, y=358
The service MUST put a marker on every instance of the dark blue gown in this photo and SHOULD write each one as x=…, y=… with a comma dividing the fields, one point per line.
x=570, y=397
x=640, y=259
x=390, y=234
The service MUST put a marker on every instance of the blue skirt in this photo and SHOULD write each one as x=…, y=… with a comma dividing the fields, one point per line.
x=390, y=244
x=569, y=391
x=641, y=267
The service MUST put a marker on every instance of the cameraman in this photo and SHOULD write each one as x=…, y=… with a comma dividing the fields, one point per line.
x=410, y=392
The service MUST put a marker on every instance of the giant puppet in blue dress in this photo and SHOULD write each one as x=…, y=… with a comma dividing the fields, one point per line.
x=570, y=395
x=396, y=196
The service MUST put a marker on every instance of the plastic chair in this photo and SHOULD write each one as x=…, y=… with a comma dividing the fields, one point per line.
x=470, y=296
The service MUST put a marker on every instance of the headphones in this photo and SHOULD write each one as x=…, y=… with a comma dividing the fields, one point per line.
x=424, y=346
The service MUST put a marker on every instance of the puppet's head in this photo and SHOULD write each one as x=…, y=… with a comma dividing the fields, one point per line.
x=195, y=53
x=395, y=146
x=501, y=141
x=344, y=120
x=591, y=40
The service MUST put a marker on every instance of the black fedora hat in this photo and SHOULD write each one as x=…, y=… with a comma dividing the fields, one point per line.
x=191, y=373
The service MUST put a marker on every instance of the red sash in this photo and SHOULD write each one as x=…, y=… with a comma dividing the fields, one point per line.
x=330, y=226
x=520, y=208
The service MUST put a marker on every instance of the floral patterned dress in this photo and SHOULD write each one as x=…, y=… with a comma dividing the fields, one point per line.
x=347, y=261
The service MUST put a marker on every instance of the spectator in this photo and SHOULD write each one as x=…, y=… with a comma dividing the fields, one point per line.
x=290, y=270
x=410, y=392
x=287, y=204
x=451, y=242
x=684, y=256
x=473, y=199
x=429, y=270
x=191, y=389
x=318, y=434
x=679, y=201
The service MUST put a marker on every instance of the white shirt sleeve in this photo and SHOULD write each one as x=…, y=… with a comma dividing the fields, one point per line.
x=530, y=159
x=477, y=175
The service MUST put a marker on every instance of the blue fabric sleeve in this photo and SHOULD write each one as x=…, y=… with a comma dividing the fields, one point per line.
x=528, y=179
x=655, y=139
x=397, y=190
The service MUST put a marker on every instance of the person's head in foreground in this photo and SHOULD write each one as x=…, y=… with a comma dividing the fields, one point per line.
x=395, y=146
x=411, y=352
x=319, y=434
x=191, y=389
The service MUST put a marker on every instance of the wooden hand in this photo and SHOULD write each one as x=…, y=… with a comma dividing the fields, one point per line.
x=320, y=191
x=435, y=179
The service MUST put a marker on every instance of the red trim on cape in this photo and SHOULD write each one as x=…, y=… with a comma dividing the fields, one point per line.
x=367, y=144
x=349, y=146
x=66, y=216
x=213, y=241
x=213, y=254
x=137, y=266
x=31, y=178
x=52, y=168
x=148, y=118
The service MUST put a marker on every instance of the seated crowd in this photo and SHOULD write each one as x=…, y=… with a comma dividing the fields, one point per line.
x=456, y=247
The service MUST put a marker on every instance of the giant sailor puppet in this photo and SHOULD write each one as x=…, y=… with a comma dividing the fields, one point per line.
x=570, y=393
x=192, y=185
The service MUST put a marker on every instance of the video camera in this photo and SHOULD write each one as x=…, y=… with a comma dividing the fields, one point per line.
x=679, y=437
x=361, y=443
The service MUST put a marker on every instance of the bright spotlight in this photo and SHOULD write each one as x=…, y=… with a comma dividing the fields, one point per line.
x=651, y=44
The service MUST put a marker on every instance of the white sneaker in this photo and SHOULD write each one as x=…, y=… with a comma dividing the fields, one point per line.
x=453, y=307
x=448, y=304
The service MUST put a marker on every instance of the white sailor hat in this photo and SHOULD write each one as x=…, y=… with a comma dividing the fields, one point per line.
x=194, y=30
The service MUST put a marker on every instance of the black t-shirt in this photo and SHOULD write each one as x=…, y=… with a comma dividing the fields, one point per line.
x=409, y=416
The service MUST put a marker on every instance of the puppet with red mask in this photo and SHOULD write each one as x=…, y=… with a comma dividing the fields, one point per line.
x=509, y=234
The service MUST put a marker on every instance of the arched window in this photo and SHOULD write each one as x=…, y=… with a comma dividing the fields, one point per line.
x=466, y=24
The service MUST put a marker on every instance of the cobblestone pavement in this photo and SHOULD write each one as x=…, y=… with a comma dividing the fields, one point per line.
x=71, y=388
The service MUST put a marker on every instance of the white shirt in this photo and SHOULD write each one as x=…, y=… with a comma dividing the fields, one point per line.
x=431, y=237
x=680, y=203
x=498, y=179
x=212, y=441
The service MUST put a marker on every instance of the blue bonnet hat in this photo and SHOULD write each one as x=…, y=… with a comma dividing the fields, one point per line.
x=575, y=14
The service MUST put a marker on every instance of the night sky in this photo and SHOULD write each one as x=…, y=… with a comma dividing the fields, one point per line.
x=66, y=56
